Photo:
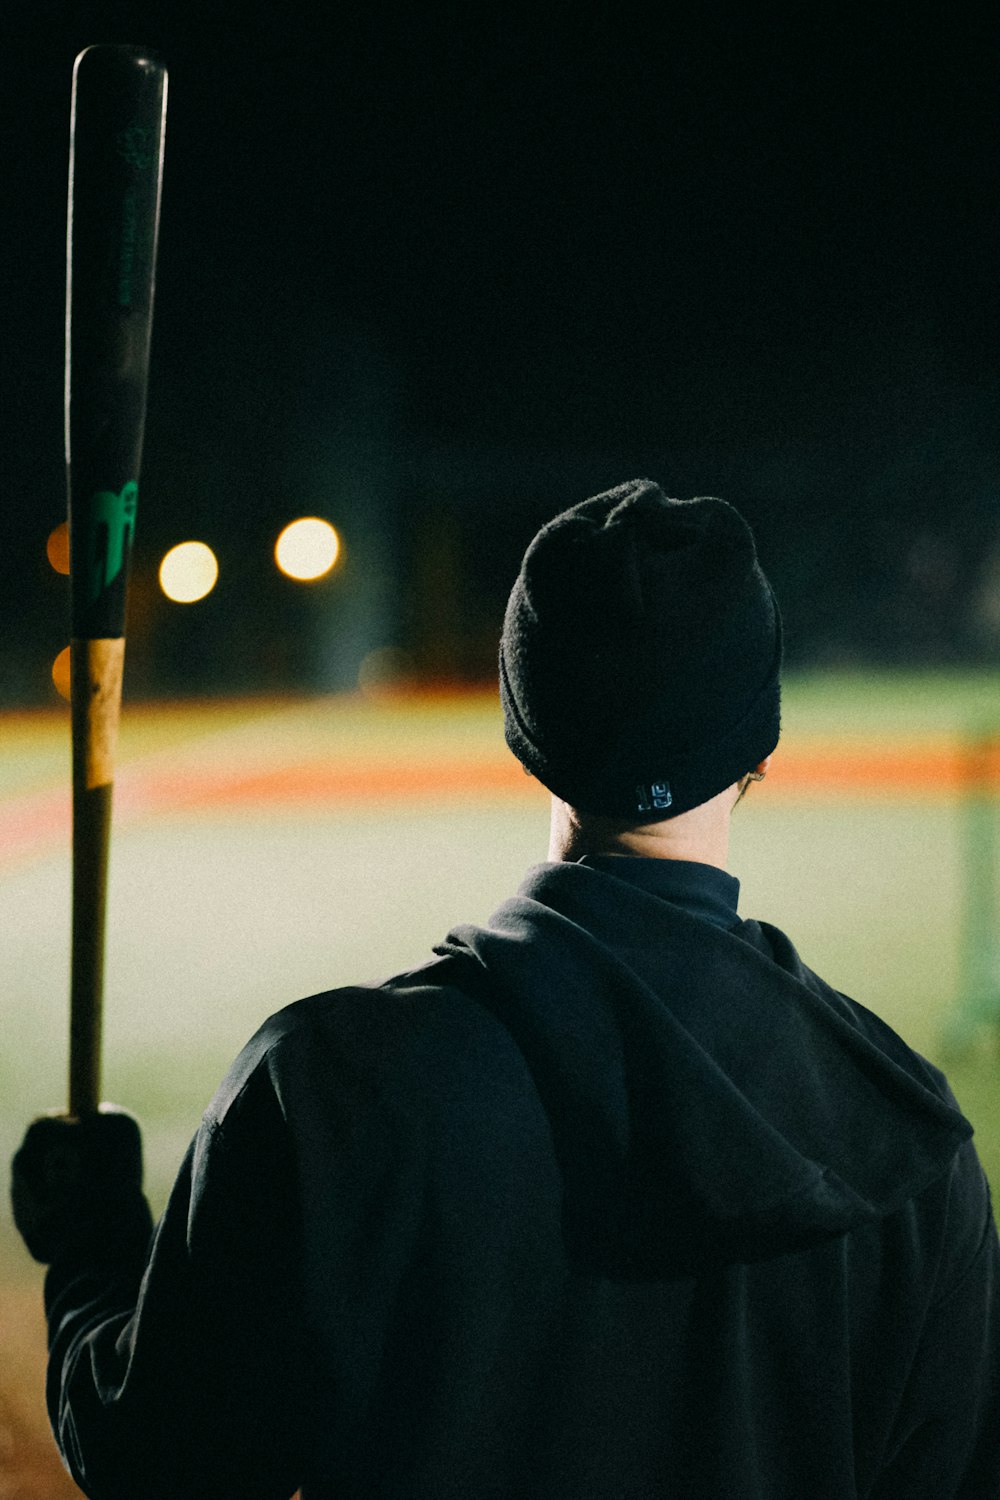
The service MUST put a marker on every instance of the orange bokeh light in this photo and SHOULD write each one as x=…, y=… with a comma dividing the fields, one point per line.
x=60, y=673
x=57, y=548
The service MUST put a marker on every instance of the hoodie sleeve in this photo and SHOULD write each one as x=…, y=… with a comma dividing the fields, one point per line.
x=189, y=1381
x=945, y=1444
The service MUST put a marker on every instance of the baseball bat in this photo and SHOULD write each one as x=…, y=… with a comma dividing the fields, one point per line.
x=117, y=126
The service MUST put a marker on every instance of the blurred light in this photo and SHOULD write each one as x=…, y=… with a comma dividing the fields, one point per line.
x=188, y=572
x=60, y=673
x=57, y=548
x=307, y=549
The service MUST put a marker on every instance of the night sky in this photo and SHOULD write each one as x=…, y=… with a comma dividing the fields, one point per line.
x=482, y=268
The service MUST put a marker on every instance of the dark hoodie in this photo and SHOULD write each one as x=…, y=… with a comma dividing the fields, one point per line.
x=610, y=1199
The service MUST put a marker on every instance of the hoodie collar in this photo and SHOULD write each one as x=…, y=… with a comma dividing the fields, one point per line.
x=701, y=890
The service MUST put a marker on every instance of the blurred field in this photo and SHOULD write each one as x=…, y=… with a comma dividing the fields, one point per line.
x=267, y=850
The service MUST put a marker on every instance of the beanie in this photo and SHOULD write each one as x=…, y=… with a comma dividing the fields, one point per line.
x=641, y=654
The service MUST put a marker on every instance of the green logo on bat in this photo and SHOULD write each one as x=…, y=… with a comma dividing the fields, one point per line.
x=112, y=531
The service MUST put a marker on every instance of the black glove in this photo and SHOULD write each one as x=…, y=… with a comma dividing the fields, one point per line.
x=76, y=1183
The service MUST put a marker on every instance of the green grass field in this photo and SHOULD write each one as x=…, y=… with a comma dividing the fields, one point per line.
x=238, y=886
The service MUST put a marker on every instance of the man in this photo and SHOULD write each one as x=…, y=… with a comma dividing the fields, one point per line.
x=611, y=1198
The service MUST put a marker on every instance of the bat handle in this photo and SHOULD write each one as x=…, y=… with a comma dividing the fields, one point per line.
x=96, y=684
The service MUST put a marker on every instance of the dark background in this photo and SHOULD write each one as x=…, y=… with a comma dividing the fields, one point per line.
x=438, y=277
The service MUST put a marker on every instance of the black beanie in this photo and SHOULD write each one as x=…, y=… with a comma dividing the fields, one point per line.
x=641, y=654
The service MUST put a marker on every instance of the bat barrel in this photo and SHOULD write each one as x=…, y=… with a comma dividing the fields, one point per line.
x=116, y=164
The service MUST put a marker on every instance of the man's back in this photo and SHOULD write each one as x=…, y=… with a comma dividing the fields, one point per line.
x=606, y=1200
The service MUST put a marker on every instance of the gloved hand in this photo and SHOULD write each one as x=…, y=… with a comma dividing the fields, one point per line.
x=74, y=1181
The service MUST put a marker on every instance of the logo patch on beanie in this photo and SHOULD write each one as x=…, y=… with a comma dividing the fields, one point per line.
x=656, y=795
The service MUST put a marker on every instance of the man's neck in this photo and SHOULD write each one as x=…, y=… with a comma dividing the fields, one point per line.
x=701, y=835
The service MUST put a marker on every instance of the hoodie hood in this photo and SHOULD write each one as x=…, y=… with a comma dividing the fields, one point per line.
x=710, y=1099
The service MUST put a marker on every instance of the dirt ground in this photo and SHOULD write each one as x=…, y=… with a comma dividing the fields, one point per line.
x=30, y=1467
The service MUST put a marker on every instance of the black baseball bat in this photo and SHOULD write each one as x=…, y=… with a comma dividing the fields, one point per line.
x=117, y=129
